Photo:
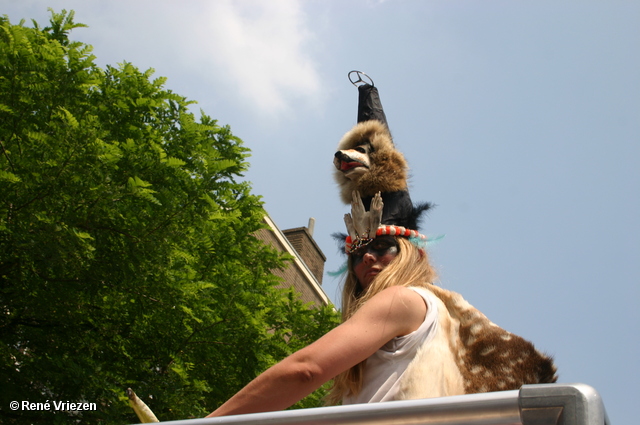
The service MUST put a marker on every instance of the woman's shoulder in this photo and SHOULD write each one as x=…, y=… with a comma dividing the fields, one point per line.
x=397, y=299
x=422, y=290
x=401, y=304
x=402, y=292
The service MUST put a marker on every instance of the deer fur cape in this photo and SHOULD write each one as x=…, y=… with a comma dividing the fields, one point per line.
x=469, y=354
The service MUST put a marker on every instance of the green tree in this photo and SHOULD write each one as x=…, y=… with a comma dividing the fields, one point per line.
x=127, y=255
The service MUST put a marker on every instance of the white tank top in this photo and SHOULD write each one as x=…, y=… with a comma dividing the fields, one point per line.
x=384, y=369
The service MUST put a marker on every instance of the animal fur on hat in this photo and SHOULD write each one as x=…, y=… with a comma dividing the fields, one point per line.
x=368, y=162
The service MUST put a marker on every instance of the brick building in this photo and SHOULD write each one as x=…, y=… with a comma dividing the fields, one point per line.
x=305, y=272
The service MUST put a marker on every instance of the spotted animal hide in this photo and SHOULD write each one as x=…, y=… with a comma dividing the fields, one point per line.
x=470, y=354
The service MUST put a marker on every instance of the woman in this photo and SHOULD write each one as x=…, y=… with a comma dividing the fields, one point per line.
x=387, y=316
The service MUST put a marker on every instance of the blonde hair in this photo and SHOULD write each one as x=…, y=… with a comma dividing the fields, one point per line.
x=409, y=268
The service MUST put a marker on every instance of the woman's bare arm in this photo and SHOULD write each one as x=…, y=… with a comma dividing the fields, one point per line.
x=393, y=312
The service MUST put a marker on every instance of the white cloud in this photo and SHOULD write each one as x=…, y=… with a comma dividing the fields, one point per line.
x=254, y=55
x=261, y=50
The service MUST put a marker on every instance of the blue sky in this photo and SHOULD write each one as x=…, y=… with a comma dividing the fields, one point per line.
x=519, y=119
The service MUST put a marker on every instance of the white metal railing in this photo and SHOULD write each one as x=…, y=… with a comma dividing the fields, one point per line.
x=544, y=404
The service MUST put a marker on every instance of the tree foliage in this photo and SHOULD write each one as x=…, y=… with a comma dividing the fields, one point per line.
x=127, y=255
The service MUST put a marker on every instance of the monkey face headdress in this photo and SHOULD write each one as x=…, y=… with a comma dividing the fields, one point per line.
x=372, y=175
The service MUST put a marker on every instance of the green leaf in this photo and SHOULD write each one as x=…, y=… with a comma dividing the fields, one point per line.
x=68, y=118
x=9, y=177
x=174, y=162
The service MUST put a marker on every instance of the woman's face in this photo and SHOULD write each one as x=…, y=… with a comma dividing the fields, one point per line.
x=371, y=259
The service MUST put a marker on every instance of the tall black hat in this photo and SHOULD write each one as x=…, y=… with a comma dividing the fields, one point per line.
x=398, y=215
x=369, y=104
